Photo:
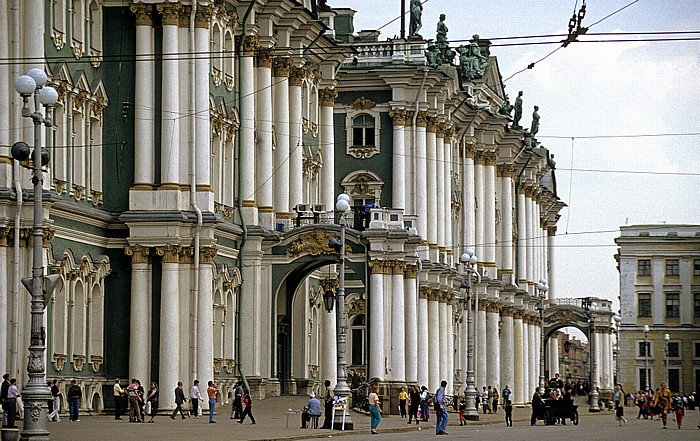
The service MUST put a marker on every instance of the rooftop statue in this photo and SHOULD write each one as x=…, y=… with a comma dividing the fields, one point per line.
x=441, y=38
x=535, y=127
x=433, y=55
x=472, y=63
x=415, y=24
x=518, y=111
x=505, y=108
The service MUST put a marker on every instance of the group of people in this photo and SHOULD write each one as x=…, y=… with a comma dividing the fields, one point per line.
x=419, y=401
x=660, y=402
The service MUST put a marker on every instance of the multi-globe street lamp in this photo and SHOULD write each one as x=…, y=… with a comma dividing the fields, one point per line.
x=646, y=358
x=666, y=339
x=595, y=396
x=342, y=390
x=469, y=261
x=542, y=289
x=35, y=394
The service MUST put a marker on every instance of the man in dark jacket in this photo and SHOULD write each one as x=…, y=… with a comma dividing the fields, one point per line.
x=74, y=396
x=179, y=400
x=3, y=397
x=328, y=406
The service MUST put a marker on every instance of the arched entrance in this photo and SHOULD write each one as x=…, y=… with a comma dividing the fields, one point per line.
x=303, y=269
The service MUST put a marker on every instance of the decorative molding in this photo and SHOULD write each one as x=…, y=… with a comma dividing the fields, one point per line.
x=138, y=253
x=506, y=170
x=58, y=38
x=96, y=362
x=78, y=362
x=363, y=103
x=357, y=307
x=327, y=97
x=313, y=243
x=59, y=362
x=96, y=197
x=143, y=13
x=218, y=363
x=203, y=16
x=78, y=192
x=250, y=45
x=296, y=76
x=422, y=119
x=411, y=271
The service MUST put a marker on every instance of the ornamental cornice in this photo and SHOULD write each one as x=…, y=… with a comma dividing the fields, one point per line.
x=363, y=103
x=264, y=57
x=327, y=97
x=138, y=253
x=170, y=253
x=282, y=66
x=143, y=13
x=314, y=243
x=170, y=12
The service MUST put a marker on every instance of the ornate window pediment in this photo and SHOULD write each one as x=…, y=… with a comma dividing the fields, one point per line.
x=363, y=128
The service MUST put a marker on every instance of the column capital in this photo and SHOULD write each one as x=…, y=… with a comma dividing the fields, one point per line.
x=449, y=132
x=170, y=253
x=490, y=158
x=184, y=17
x=281, y=66
x=422, y=119
x=432, y=124
x=207, y=254
x=552, y=230
x=143, y=13
x=480, y=157
x=440, y=130
x=6, y=234
x=507, y=311
x=434, y=295
x=203, y=16
x=327, y=97
x=250, y=45
x=398, y=117
x=170, y=12
x=296, y=76
x=470, y=151
x=423, y=292
x=506, y=170
x=138, y=253
x=377, y=267
x=264, y=58
x=186, y=256
x=398, y=267
x=411, y=272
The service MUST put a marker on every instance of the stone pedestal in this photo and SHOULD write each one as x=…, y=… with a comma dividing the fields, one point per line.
x=304, y=386
x=290, y=386
x=257, y=387
x=273, y=387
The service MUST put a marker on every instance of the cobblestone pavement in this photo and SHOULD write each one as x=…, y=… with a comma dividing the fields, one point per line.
x=275, y=422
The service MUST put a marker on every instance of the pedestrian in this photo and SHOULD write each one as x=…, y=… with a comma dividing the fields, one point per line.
x=312, y=409
x=12, y=394
x=133, y=392
x=485, y=399
x=506, y=394
x=403, y=398
x=495, y=399
x=74, y=396
x=3, y=398
x=414, y=403
x=118, y=393
x=49, y=402
x=195, y=398
x=211, y=393
x=153, y=400
x=678, y=409
x=619, y=405
x=375, y=410
x=327, y=405
x=179, y=400
x=142, y=401
x=424, y=404
x=509, y=413
x=537, y=406
x=663, y=402
x=247, y=402
x=462, y=406
x=441, y=410
x=236, y=408
x=56, y=398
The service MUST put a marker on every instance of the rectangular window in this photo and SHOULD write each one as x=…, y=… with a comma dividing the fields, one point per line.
x=672, y=267
x=696, y=267
x=644, y=304
x=644, y=375
x=672, y=304
x=696, y=304
x=673, y=349
x=696, y=352
x=644, y=267
x=674, y=380
x=358, y=343
x=642, y=348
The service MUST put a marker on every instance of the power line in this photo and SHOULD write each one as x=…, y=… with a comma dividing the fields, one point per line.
x=637, y=135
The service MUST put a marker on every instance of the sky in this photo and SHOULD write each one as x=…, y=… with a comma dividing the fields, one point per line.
x=592, y=90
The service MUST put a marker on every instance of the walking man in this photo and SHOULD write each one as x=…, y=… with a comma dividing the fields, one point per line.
x=56, y=397
x=179, y=399
x=663, y=402
x=3, y=397
x=441, y=410
x=237, y=408
x=195, y=398
x=118, y=392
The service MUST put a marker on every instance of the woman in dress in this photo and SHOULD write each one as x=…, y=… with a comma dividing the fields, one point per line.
x=375, y=410
x=619, y=405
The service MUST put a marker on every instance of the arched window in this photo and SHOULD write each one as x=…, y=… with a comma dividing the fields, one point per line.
x=59, y=331
x=78, y=27
x=78, y=322
x=363, y=131
x=95, y=27
x=96, y=314
x=216, y=53
x=217, y=166
x=357, y=341
x=228, y=60
x=58, y=22
x=230, y=329
x=219, y=327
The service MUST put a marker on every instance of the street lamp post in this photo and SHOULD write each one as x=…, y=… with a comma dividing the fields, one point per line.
x=35, y=394
x=666, y=339
x=342, y=390
x=469, y=261
x=646, y=358
x=617, y=319
x=542, y=289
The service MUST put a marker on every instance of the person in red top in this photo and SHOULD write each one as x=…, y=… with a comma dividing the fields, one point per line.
x=211, y=393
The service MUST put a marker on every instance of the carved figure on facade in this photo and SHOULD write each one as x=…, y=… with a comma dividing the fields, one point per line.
x=535, y=127
x=472, y=63
x=518, y=109
x=314, y=243
x=416, y=22
x=363, y=103
x=506, y=108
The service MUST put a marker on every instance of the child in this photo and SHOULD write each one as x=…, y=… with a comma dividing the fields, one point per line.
x=248, y=411
x=509, y=413
x=462, y=408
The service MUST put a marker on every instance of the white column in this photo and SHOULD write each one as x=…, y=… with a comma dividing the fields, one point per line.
x=489, y=258
x=144, y=102
x=170, y=124
x=506, y=172
x=263, y=150
x=169, y=353
x=184, y=96
x=388, y=283
x=205, y=311
x=553, y=349
x=595, y=352
x=327, y=148
x=507, y=347
x=535, y=360
x=522, y=242
x=140, y=350
x=280, y=94
x=398, y=160
x=480, y=208
x=607, y=371
x=444, y=338
x=431, y=185
x=449, y=222
x=411, y=324
x=423, y=344
x=295, y=143
x=6, y=108
x=551, y=266
x=329, y=358
x=202, y=121
x=440, y=220
x=246, y=132
x=409, y=184
x=480, y=342
x=493, y=367
x=376, y=320
x=468, y=186
x=398, y=325
x=529, y=248
x=519, y=360
x=420, y=177
x=251, y=307
x=450, y=347
x=434, y=361
x=4, y=303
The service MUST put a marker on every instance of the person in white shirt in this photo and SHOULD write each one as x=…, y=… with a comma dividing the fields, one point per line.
x=195, y=398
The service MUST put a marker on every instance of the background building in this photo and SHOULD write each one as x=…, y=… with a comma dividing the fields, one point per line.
x=660, y=288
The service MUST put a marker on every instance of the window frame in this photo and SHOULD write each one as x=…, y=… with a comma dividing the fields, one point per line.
x=639, y=308
x=643, y=270
x=696, y=267
x=672, y=269
x=677, y=304
x=677, y=345
x=364, y=151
